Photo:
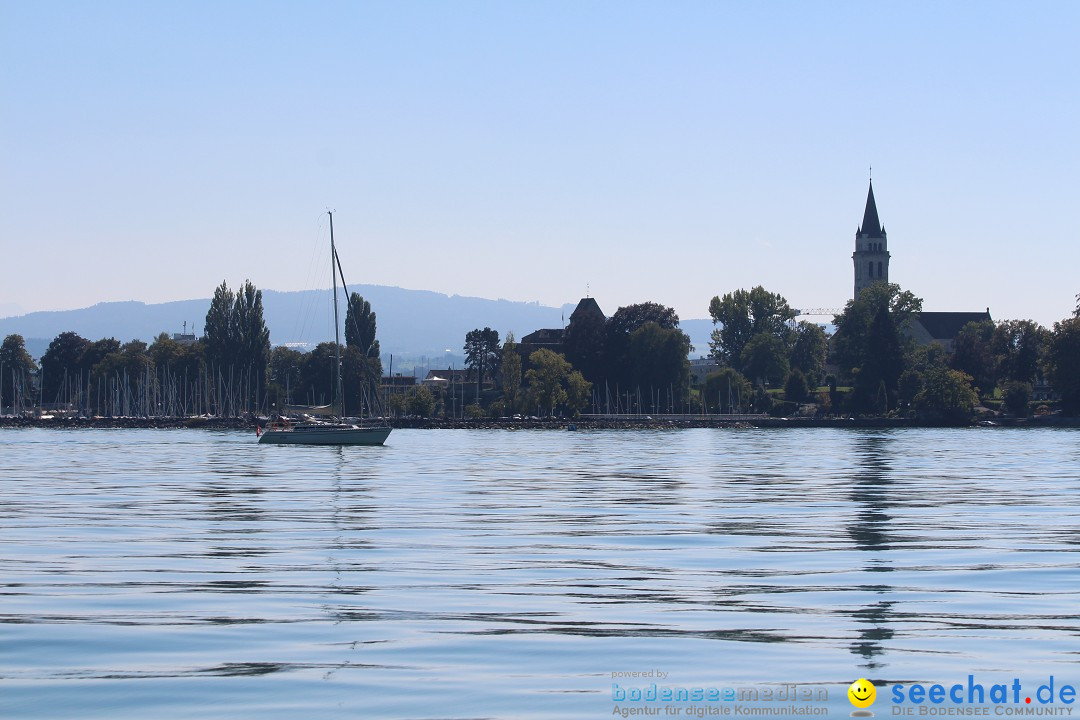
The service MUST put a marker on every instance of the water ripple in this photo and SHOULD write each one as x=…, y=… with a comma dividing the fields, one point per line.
x=496, y=574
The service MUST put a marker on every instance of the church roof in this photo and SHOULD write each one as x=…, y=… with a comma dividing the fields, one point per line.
x=871, y=226
x=946, y=325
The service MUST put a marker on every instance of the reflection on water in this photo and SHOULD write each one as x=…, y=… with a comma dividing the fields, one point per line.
x=497, y=574
x=870, y=488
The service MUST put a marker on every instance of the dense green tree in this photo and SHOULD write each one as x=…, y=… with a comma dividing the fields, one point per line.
x=511, y=373
x=360, y=377
x=910, y=385
x=1063, y=361
x=237, y=344
x=188, y=364
x=165, y=354
x=743, y=314
x=97, y=351
x=926, y=357
x=361, y=361
x=658, y=358
x=765, y=359
x=851, y=344
x=419, y=401
x=547, y=380
x=397, y=406
x=920, y=361
x=796, y=388
x=1019, y=347
x=317, y=376
x=763, y=402
x=362, y=365
x=1015, y=396
x=619, y=363
x=360, y=326
x=878, y=379
x=253, y=341
x=810, y=352
x=16, y=367
x=578, y=392
x=164, y=351
x=727, y=391
x=629, y=318
x=129, y=372
x=136, y=349
x=972, y=354
x=218, y=329
x=284, y=378
x=96, y=370
x=947, y=395
x=61, y=365
x=482, y=353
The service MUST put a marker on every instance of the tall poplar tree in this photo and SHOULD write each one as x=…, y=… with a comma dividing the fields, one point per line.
x=252, y=339
x=360, y=326
x=511, y=372
x=238, y=342
x=218, y=332
x=362, y=365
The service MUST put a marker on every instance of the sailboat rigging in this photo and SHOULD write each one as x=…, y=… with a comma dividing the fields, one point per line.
x=312, y=431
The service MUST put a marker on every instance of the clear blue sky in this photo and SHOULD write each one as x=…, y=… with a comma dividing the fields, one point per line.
x=665, y=151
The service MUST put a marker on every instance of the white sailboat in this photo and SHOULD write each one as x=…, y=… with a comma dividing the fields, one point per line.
x=313, y=431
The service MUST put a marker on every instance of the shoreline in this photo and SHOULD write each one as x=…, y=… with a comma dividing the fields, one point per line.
x=590, y=423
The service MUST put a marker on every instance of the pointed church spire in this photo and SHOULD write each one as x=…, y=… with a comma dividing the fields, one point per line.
x=871, y=226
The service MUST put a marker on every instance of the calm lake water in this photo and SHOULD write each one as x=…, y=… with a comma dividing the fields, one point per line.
x=498, y=574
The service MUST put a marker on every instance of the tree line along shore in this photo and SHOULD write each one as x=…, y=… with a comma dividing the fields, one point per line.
x=632, y=364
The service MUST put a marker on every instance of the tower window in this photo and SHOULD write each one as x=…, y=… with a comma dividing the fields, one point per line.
x=879, y=268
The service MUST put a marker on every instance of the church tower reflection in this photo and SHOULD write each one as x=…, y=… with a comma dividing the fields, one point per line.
x=869, y=529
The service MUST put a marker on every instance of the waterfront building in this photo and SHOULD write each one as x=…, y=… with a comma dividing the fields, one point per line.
x=700, y=368
x=397, y=384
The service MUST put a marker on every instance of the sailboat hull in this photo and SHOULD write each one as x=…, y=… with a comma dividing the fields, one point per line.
x=326, y=436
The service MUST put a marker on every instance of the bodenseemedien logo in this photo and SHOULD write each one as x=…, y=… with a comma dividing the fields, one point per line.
x=862, y=694
x=772, y=700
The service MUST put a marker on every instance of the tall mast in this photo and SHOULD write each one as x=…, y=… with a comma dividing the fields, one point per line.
x=338, y=394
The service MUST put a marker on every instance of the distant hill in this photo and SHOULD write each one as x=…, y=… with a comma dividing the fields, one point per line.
x=411, y=323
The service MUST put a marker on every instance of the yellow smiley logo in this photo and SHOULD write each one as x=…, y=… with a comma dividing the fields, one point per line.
x=862, y=693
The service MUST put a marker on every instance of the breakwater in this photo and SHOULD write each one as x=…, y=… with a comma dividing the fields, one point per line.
x=584, y=423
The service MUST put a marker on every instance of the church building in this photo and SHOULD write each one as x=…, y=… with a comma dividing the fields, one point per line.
x=871, y=261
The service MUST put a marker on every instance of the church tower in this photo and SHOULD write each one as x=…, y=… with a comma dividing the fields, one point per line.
x=871, y=256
